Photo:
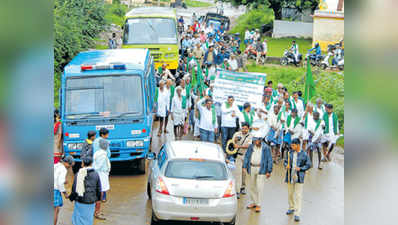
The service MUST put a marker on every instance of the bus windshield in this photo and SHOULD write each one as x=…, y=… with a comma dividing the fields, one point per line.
x=104, y=96
x=150, y=31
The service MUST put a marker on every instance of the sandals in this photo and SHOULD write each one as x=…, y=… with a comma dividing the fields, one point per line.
x=258, y=209
x=100, y=216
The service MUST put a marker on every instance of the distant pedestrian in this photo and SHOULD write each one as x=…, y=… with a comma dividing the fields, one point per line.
x=296, y=164
x=112, y=43
x=60, y=171
x=87, y=148
x=86, y=190
x=58, y=150
x=102, y=166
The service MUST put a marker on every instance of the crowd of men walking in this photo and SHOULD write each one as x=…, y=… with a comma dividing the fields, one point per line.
x=281, y=127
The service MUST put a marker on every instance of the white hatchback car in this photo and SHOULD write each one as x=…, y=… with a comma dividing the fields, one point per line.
x=190, y=181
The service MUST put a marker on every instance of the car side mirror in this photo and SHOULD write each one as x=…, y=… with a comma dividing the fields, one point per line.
x=151, y=156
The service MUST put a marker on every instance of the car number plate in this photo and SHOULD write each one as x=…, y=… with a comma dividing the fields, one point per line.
x=195, y=201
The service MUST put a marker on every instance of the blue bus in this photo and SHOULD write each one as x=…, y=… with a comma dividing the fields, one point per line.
x=114, y=89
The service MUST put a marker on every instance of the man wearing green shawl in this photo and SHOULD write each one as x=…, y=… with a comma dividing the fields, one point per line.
x=331, y=132
x=306, y=122
x=208, y=124
x=316, y=131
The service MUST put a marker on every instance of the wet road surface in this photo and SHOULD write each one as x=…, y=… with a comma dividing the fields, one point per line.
x=323, y=197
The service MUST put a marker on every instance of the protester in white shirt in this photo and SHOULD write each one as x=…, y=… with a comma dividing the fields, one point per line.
x=297, y=104
x=162, y=98
x=179, y=112
x=60, y=171
x=233, y=63
x=229, y=113
x=331, y=132
x=316, y=132
x=306, y=122
x=208, y=124
x=319, y=107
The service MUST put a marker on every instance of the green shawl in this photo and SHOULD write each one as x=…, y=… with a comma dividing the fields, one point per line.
x=289, y=120
x=326, y=119
x=248, y=119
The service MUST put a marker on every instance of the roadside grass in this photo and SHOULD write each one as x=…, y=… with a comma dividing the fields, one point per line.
x=101, y=47
x=329, y=85
x=276, y=46
x=193, y=3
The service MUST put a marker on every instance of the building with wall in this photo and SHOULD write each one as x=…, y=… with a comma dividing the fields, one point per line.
x=328, y=25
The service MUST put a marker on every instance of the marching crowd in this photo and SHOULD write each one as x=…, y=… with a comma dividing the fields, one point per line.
x=280, y=127
x=254, y=137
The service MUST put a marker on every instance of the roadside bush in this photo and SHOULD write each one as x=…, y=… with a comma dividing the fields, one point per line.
x=255, y=18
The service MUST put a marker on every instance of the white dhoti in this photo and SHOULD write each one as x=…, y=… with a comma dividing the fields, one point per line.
x=179, y=118
x=104, y=178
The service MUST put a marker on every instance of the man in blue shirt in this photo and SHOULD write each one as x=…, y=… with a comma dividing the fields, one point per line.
x=104, y=134
x=317, y=49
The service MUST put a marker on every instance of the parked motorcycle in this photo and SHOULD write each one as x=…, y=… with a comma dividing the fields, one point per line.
x=288, y=58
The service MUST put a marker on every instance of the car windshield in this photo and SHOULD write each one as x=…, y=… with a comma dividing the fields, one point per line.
x=196, y=169
x=107, y=96
x=150, y=31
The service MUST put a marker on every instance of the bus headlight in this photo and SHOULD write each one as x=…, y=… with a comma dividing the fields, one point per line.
x=72, y=146
x=75, y=146
x=135, y=144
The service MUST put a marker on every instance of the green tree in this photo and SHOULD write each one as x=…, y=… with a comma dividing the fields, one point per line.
x=277, y=5
x=76, y=25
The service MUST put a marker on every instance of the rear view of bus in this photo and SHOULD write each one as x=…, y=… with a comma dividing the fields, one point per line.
x=154, y=28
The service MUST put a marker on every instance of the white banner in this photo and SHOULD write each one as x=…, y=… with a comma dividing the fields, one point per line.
x=245, y=87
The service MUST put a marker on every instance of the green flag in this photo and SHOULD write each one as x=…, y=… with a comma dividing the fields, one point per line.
x=309, y=84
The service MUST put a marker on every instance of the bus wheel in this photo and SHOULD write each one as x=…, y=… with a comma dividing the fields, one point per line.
x=141, y=166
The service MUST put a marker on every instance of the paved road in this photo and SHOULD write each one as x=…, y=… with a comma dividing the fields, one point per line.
x=323, y=202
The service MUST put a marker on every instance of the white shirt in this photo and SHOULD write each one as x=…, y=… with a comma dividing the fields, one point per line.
x=273, y=120
x=300, y=107
x=163, y=102
x=265, y=47
x=256, y=155
x=206, y=117
x=320, y=110
x=296, y=130
x=233, y=63
x=247, y=35
x=331, y=125
x=226, y=115
x=176, y=107
x=317, y=133
x=59, y=177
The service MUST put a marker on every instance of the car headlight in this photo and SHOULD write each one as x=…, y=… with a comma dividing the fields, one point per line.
x=135, y=144
x=72, y=146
